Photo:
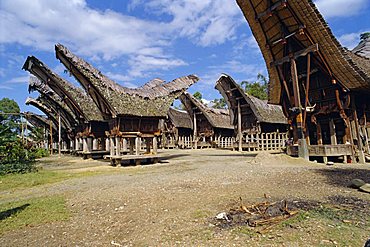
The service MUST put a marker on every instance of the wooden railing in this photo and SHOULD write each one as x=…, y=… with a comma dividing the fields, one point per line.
x=251, y=142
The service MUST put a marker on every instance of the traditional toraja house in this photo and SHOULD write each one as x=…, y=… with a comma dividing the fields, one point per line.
x=56, y=120
x=132, y=113
x=178, y=127
x=249, y=115
x=90, y=132
x=322, y=87
x=53, y=102
x=43, y=123
x=208, y=124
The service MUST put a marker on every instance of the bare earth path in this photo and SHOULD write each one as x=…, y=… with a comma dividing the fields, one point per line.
x=171, y=203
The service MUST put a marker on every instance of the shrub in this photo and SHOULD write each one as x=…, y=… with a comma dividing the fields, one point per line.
x=16, y=158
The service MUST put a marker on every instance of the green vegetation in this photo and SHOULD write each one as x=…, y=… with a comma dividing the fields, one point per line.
x=257, y=88
x=364, y=36
x=16, y=155
x=198, y=95
x=219, y=103
x=16, y=215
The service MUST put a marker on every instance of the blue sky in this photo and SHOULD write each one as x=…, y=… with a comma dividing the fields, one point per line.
x=137, y=40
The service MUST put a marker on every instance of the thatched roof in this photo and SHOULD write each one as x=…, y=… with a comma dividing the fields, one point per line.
x=51, y=115
x=114, y=100
x=180, y=119
x=264, y=112
x=363, y=48
x=38, y=120
x=53, y=101
x=218, y=118
x=273, y=25
x=76, y=99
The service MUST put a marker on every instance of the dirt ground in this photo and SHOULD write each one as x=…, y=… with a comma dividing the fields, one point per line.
x=174, y=203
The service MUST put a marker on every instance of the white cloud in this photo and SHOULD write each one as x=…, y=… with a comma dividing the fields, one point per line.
x=350, y=40
x=19, y=79
x=206, y=22
x=42, y=23
x=141, y=64
x=341, y=8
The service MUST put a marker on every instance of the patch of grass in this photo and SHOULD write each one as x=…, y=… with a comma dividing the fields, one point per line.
x=246, y=230
x=16, y=215
x=298, y=218
x=200, y=214
x=17, y=181
x=27, y=180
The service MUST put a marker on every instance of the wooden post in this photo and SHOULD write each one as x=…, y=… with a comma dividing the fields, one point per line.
x=195, y=130
x=306, y=94
x=59, y=135
x=155, y=145
x=302, y=144
x=147, y=142
x=132, y=145
x=137, y=145
x=240, y=148
x=51, y=137
x=333, y=136
x=361, y=155
x=124, y=144
x=95, y=144
x=89, y=142
x=319, y=134
x=118, y=146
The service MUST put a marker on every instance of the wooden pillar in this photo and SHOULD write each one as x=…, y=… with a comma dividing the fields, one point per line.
x=147, y=142
x=84, y=144
x=124, y=144
x=118, y=146
x=319, y=134
x=107, y=144
x=195, y=130
x=89, y=141
x=155, y=145
x=132, y=145
x=59, y=135
x=361, y=155
x=302, y=144
x=240, y=136
x=137, y=145
x=333, y=136
x=95, y=144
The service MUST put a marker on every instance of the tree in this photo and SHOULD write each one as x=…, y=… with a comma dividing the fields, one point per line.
x=258, y=88
x=14, y=154
x=198, y=96
x=8, y=106
x=219, y=103
x=364, y=36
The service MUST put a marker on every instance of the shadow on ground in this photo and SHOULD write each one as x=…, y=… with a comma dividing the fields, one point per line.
x=342, y=177
x=12, y=211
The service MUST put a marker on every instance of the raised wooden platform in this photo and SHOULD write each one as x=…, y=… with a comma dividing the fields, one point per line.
x=98, y=154
x=324, y=151
x=135, y=159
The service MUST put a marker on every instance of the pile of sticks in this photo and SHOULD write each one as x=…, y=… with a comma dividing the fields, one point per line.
x=259, y=214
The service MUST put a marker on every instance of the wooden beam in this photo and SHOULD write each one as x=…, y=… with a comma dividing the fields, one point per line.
x=284, y=83
x=295, y=55
x=307, y=90
x=269, y=10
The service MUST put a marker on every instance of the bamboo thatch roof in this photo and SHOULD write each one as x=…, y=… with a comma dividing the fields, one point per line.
x=180, y=119
x=363, y=48
x=274, y=23
x=75, y=98
x=218, y=118
x=232, y=92
x=51, y=115
x=53, y=101
x=38, y=120
x=152, y=100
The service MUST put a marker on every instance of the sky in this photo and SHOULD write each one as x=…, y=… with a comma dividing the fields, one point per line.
x=134, y=41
